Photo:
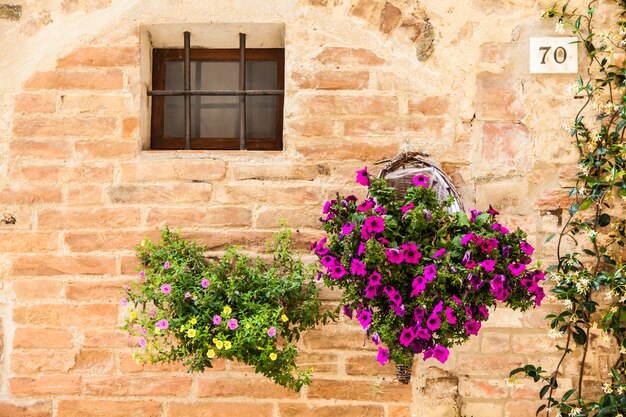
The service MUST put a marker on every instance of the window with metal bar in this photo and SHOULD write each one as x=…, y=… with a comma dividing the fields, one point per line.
x=221, y=99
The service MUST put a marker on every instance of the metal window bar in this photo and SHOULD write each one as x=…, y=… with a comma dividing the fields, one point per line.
x=187, y=92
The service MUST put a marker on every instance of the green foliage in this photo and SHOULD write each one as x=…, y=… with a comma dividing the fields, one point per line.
x=190, y=310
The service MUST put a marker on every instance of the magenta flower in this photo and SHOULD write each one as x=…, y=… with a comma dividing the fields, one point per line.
x=272, y=331
x=467, y=238
x=362, y=177
x=489, y=245
x=539, y=296
x=474, y=214
x=516, y=268
x=337, y=271
x=142, y=342
x=362, y=247
x=205, y=283
x=407, y=207
x=380, y=210
x=393, y=294
x=419, y=285
x=153, y=314
x=383, y=241
x=438, y=308
x=347, y=228
x=488, y=265
x=217, y=320
x=433, y=322
x=375, y=279
x=439, y=253
x=492, y=211
x=124, y=303
x=327, y=206
x=411, y=254
x=438, y=352
x=162, y=324
x=142, y=274
x=470, y=264
x=166, y=265
x=166, y=288
x=364, y=317
x=472, y=327
x=421, y=181
x=374, y=224
x=394, y=256
x=528, y=250
x=456, y=299
x=499, y=228
x=450, y=315
x=328, y=261
x=383, y=356
x=484, y=312
x=365, y=205
x=357, y=268
x=430, y=272
x=423, y=334
x=187, y=295
x=347, y=310
x=365, y=233
x=371, y=291
x=427, y=214
x=376, y=338
x=232, y=324
x=407, y=336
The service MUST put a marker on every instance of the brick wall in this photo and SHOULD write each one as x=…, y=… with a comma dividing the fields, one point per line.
x=364, y=79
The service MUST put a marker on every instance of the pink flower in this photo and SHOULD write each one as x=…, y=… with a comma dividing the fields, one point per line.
x=166, y=265
x=166, y=288
x=433, y=322
x=232, y=324
x=375, y=279
x=439, y=253
x=371, y=291
x=162, y=324
x=362, y=247
x=142, y=342
x=472, y=327
x=124, y=302
x=347, y=228
x=488, y=265
x=205, y=283
x=430, y=272
x=142, y=274
x=365, y=205
x=374, y=224
x=407, y=336
x=407, y=207
x=467, y=238
x=362, y=177
x=187, y=295
x=421, y=181
x=438, y=352
x=272, y=331
x=411, y=254
x=394, y=256
x=516, y=268
x=492, y=211
x=337, y=271
x=364, y=317
x=376, y=338
x=357, y=268
x=450, y=315
x=419, y=285
x=383, y=355
x=528, y=250
x=217, y=320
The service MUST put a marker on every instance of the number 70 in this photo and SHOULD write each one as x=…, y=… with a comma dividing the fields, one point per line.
x=560, y=54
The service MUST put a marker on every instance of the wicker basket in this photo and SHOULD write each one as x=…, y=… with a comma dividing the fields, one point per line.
x=399, y=173
x=400, y=170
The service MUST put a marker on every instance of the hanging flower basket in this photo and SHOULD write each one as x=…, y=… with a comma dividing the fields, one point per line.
x=418, y=273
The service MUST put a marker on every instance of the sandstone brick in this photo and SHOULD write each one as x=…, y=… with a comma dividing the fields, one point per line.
x=30, y=195
x=441, y=387
x=136, y=385
x=270, y=217
x=368, y=366
x=130, y=127
x=40, y=149
x=348, y=56
x=275, y=171
x=84, y=195
x=29, y=362
x=27, y=242
x=70, y=126
x=109, y=408
x=473, y=388
x=88, y=174
x=504, y=318
x=496, y=99
x=174, y=170
x=98, y=218
x=371, y=127
x=337, y=337
x=44, y=385
x=351, y=105
x=320, y=362
x=359, y=390
x=399, y=411
x=219, y=239
x=108, y=241
x=162, y=194
x=331, y=80
x=482, y=409
x=494, y=342
x=314, y=410
x=100, y=361
x=38, y=173
x=35, y=103
x=63, y=265
x=318, y=2
x=105, y=338
x=313, y=128
x=107, y=291
x=34, y=289
x=215, y=409
x=95, y=56
x=428, y=127
x=10, y=12
x=429, y=106
x=35, y=338
x=535, y=343
x=343, y=149
x=75, y=80
x=507, y=146
x=37, y=409
x=368, y=10
x=95, y=103
x=258, y=192
x=242, y=387
x=106, y=149
x=200, y=216
x=130, y=265
x=413, y=27
x=553, y=200
x=487, y=365
x=128, y=365
x=523, y=408
x=390, y=17
x=61, y=315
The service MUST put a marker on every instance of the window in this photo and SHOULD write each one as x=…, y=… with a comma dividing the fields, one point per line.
x=224, y=99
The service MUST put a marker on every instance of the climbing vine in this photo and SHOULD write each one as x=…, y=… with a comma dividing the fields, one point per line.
x=588, y=279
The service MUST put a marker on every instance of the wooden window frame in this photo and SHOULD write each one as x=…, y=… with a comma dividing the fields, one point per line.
x=161, y=56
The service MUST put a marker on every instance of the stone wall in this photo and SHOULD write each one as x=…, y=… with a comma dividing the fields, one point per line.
x=365, y=79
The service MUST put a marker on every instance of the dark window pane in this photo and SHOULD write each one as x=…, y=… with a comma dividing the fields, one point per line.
x=261, y=110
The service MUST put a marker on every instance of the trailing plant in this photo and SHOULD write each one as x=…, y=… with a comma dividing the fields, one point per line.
x=418, y=278
x=190, y=310
x=589, y=280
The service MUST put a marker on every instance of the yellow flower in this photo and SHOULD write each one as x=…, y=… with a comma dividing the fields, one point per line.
x=215, y=340
x=227, y=345
x=133, y=315
x=211, y=353
x=248, y=326
x=273, y=356
x=227, y=310
x=219, y=344
x=143, y=242
x=284, y=318
x=191, y=333
x=193, y=321
x=157, y=330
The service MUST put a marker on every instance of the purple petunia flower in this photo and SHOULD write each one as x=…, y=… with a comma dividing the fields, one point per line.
x=328, y=261
x=439, y=253
x=375, y=279
x=421, y=180
x=327, y=206
x=488, y=245
x=499, y=228
x=516, y=268
x=362, y=247
x=407, y=336
x=271, y=332
x=380, y=210
x=166, y=265
x=232, y=324
x=438, y=308
x=430, y=272
x=474, y=214
x=438, y=352
x=162, y=324
x=470, y=264
x=394, y=256
x=376, y=338
x=472, y=327
x=371, y=292
x=423, y=334
x=166, y=288
x=383, y=356
x=411, y=254
x=337, y=271
x=357, y=268
x=450, y=315
x=488, y=265
x=427, y=214
x=374, y=224
x=217, y=320
x=528, y=250
x=347, y=310
x=347, y=228
x=419, y=285
x=407, y=207
x=364, y=317
x=187, y=294
x=365, y=205
x=492, y=211
x=362, y=177
x=142, y=342
x=433, y=322
x=456, y=299
x=467, y=238
x=383, y=241
x=205, y=283
x=141, y=274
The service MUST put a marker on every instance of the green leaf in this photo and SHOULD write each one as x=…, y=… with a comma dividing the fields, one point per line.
x=585, y=204
x=604, y=220
x=568, y=394
x=550, y=237
x=540, y=409
x=463, y=220
x=574, y=209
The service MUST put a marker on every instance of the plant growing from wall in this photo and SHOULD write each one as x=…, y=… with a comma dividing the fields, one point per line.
x=590, y=280
x=190, y=310
x=418, y=278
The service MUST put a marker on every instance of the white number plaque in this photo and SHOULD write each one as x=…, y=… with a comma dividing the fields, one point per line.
x=553, y=55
